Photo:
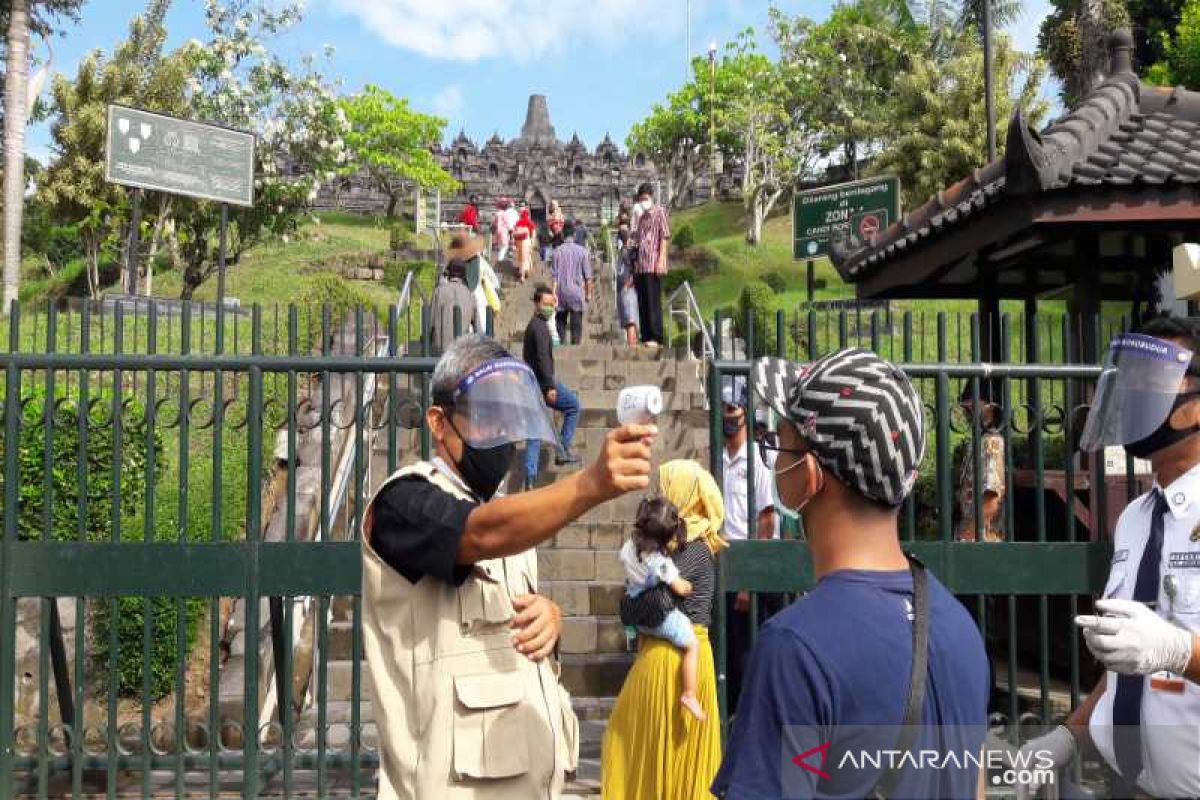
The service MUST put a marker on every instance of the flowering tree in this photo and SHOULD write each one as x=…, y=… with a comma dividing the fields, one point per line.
x=393, y=144
x=300, y=128
x=676, y=133
x=778, y=147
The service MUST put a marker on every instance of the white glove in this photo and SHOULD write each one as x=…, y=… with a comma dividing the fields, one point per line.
x=1132, y=639
x=1050, y=752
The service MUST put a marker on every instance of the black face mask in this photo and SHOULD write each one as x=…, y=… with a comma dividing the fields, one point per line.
x=731, y=425
x=483, y=469
x=1165, y=435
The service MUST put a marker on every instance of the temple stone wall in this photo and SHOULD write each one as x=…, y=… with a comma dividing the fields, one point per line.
x=536, y=167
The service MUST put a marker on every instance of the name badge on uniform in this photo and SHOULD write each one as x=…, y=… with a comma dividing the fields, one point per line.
x=1195, y=537
x=1167, y=682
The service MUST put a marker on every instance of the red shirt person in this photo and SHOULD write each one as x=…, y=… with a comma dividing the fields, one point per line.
x=469, y=216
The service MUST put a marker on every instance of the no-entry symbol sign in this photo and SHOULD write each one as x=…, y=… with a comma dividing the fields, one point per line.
x=868, y=226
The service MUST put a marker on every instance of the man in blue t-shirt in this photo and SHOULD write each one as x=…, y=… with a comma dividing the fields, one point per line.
x=824, y=699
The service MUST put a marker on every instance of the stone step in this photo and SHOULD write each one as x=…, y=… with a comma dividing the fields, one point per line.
x=598, y=536
x=597, y=709
x=595, y=675
x=563, y=564
x=591, y=634
x=580, y=598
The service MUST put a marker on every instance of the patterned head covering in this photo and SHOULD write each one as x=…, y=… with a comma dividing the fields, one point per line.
x=859, y=413
x=694, y=492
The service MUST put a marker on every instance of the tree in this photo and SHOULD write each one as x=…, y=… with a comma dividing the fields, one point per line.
x=73, y=186
x=1071, y=40
x=20, y=18
x=393, y=143
x=778, y=148
x=842, y=71
x=939, y=125
x=294, y=114
x=675, y=134
x=1180, y=64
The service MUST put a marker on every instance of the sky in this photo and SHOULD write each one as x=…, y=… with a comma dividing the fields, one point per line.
x=601, y=63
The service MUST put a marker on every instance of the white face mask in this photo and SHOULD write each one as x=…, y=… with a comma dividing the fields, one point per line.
x=794, y=513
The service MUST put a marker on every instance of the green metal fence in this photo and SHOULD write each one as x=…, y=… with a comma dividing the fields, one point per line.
x=170, y=509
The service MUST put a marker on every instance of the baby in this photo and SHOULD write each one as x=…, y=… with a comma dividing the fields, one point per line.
x=658, y=532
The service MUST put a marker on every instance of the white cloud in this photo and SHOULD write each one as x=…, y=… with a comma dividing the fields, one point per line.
x=524, y=30
x=448, y=103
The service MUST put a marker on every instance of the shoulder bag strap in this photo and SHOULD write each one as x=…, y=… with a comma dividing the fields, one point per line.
x=920, y=671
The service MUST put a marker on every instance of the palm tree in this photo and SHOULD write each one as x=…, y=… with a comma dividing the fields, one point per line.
x=16, y=77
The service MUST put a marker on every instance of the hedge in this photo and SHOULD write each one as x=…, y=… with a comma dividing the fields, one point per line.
x=65, y=501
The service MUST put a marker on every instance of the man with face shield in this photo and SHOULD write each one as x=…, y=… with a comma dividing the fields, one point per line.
x=458, y=642
x=1143, y=715
x=878, y=643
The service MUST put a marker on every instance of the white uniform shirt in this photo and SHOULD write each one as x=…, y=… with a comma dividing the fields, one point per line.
x=1171, y=715
x=735, y=480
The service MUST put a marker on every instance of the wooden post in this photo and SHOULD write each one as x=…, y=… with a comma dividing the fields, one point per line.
x=131, y=255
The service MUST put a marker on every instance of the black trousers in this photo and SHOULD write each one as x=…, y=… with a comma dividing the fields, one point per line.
x=566, y=318
x=649, y=295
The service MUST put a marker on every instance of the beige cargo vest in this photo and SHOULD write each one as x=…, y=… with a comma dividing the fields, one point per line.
x=460, y=713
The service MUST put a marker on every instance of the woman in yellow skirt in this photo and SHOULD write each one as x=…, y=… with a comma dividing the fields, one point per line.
x=653, y=749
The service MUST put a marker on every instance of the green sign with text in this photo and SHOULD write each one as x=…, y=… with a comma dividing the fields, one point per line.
x=166, y=154
x=848, y=211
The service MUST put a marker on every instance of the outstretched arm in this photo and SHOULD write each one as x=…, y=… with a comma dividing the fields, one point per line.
x=510, y=525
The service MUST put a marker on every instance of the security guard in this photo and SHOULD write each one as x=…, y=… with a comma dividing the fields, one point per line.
x=458, y=642
x=1144, y=715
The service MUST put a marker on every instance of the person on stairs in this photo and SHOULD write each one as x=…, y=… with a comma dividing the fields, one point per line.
x=523, y=235
x=480, y=278
x=650, y=239
x=538, y=352
x=459, y=644
x=502, y=225
x=452, y=306
x=571, y=272
x=469, y=216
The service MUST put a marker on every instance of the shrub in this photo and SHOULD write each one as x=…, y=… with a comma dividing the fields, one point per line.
x=65, y=501
x=399, y=236
x=776, y=281
x=757, y=297
x=703, y=260
x=675, y=278
x=684, y=237
x=340, y=295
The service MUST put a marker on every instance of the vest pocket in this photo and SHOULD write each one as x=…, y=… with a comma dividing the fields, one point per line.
x=491, y=726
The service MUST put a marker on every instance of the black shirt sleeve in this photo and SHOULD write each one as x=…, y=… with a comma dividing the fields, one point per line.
x=417, y=529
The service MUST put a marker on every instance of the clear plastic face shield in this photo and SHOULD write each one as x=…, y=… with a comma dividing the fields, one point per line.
x=497, y=403
x=1137, y=390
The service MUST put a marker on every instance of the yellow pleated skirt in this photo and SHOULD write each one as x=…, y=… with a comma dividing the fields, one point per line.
x=653, y=748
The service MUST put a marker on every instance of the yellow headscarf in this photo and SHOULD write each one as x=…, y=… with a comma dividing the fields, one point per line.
x=694, y=492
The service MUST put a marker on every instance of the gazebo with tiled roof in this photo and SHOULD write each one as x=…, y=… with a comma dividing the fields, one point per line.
x=1088, y=209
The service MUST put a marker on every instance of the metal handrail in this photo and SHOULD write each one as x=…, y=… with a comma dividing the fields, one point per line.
x=406, y=293
x=693, y=318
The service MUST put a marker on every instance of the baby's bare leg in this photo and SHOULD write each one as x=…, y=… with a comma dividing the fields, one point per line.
x=691, y=665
